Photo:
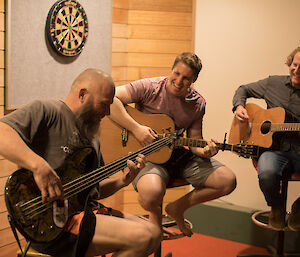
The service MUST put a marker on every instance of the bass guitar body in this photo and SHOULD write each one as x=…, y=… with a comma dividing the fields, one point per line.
x=40, y=222
x=257, y=131
x=117, y=141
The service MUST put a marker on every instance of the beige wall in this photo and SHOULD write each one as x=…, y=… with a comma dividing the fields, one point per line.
x=240, y=42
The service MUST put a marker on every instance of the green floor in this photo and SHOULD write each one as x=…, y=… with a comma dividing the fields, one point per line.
x=234, y=223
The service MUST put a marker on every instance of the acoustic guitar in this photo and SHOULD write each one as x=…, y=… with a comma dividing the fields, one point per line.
x=44, y=222
x=123, y=141
x=260, y=128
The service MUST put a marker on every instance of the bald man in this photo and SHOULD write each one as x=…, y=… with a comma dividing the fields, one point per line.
x=40, y=137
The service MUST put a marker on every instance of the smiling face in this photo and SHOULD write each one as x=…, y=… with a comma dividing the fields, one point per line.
x=294, y=70
x=180, y=80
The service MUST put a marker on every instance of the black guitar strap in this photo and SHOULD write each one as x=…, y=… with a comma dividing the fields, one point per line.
x=13, y=228
x=87, y=230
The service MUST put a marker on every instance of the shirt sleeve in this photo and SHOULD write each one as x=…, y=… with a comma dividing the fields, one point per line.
x=140, y=90
x=26, y=120
x=256, y=90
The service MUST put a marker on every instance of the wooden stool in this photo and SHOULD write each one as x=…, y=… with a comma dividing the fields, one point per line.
x=171, y=223
x=260, y=218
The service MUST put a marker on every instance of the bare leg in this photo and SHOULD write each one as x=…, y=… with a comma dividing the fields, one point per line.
x=221, y=182
x=151, y=190
x=125, y=237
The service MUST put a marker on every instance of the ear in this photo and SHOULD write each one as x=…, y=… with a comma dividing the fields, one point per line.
x=82, y=94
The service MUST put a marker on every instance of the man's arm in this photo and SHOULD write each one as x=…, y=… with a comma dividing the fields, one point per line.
x=118, y=114
x=111, y=185
x=13, y=148
x=205, y=152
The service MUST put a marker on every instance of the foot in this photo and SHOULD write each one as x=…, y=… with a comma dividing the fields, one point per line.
x=277, y=218
x=175, y=214
x=294, y=218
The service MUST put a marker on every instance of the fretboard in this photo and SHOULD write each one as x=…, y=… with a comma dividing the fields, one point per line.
x=285, y=127
x=191, y=142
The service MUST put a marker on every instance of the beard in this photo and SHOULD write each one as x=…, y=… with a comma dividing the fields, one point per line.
x=88, y=121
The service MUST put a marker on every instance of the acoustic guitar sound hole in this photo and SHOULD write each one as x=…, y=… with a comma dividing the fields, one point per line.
x=265, y=127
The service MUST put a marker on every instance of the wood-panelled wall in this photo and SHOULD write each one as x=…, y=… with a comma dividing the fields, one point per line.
x=146, y=37
x=8, y=245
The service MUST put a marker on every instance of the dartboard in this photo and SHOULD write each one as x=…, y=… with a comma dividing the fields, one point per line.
x=67, y=27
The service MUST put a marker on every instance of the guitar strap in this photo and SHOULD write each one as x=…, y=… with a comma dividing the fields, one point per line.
x=13, y=228
x=86, y=231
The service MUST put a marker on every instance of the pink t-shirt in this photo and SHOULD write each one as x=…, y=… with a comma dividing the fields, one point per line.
x=151, y=96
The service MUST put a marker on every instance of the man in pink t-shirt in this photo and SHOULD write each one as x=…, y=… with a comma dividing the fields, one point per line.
x=174, y=96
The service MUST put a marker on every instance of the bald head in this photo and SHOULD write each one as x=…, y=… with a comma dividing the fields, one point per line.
x=91, y=79
x=89, y=84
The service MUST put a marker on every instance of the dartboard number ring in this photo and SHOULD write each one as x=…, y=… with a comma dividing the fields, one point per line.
x=67, y=27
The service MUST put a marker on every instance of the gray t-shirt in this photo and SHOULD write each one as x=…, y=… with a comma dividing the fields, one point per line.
x=151, y=96
x=49, y=129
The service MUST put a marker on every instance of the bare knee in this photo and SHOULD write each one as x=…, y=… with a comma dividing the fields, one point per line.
x=229, y=182
x=229, y=186
x=146, y=239
x=150, y=194
x=223, y=180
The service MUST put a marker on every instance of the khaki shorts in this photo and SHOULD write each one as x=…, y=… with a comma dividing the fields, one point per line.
x=183, y=164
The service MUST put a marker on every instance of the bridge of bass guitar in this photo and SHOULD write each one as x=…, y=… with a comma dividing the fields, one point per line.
x=23, y=202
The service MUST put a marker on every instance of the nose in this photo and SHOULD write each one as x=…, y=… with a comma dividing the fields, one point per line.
x=179, y=80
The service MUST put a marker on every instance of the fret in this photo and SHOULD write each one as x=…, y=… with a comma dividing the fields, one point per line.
x=285, y=127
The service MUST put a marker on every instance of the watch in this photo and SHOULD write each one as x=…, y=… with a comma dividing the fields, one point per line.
x=67, y=27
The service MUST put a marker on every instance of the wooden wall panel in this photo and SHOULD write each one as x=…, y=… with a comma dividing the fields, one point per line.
x=3, y=221
x=157, y=46
x=1, y=95
x=123, y=4
x=1, y=58
x=2, y=77
x=2, y=5
x=119, y=30
x=159, y=5
x=160, y=32
x=119, y=59
x=148, y=72
x=159, y=18
x=10, y=250
x=120, y=15
x=119, y=45
x=150, y=60
x=2, y=40
x=7, y=237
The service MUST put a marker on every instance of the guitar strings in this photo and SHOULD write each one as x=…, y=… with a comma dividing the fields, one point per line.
x=35, y=206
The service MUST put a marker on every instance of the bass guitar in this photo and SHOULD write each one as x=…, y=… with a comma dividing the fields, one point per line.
x=124, y=141
x=43, y=222
x=260, y=128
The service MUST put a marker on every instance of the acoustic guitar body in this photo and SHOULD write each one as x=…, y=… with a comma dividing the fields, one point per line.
x=117, y=142
x=257, y=130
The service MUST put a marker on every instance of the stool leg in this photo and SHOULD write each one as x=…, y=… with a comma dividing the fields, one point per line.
x=158, y=251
